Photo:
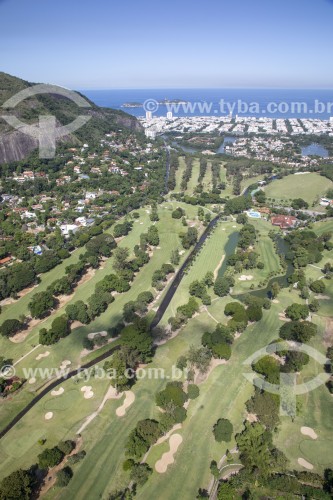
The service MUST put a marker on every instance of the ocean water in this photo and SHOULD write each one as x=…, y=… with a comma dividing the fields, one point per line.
x=272, y=103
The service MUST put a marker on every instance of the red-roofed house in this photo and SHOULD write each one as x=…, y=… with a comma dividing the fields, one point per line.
x=284, y=221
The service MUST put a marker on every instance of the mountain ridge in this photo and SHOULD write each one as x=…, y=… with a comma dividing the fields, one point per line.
x=15, y=146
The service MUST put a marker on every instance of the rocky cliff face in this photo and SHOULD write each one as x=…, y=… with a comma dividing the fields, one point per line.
x=14, y=145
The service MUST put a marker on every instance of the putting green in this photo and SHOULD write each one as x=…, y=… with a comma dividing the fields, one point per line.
x=63, y=402
x=317, y=451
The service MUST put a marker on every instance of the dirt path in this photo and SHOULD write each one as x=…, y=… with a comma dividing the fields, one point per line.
x=26, y=355
x=111, y=393
x=217, y=268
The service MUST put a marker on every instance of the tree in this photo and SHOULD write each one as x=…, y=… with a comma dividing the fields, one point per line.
x=314, y=305
x=254, y=445
x=299, y=331
x=60, y=326
x=87, y=344
x=221, y=351
x=64, y=476
x=223, y=430
x=140, y=473
x=275, y=289
x=41, y=304
x=152, y=236
x=175, y=257
x=18, y=485
x=209, y=279
x=178, y=213
x=117, y=368
x=66, y=446
x=173, y=393
x=269, y=367
x=78, y=312
x=10, y=327
x=98, y=303
x=102, y=245
x=242, y=219
x=227, y=492
x=297, y=311
x=254, y=312
x=149, y=430
x=200, y=358
x=214, y=469
x=141, y=341
x=120, y=257
x=50, y=457
x=221, y=286
x=190, y=238
x=318, y=286
x=193, y=391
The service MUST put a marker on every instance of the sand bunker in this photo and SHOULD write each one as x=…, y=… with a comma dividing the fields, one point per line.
x=92, y=335
x=276, y=301
x=245, y=277
x=128, y=401
x=44, y=355
x=58, y=392
x=168, y=457
x=32, y=380
x=48, y=415
x=322, y=297
x=64, y=364
x=87, y=391
x=305, y=464
x=308, y=431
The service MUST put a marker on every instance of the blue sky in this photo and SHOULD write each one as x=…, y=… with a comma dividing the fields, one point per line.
x=164, y=44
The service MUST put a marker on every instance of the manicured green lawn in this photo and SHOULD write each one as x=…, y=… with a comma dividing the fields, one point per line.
x=193, y=181
x=247, y=181
x=310, y=187
x=179, y=173
x=316, y=412
x=71, y=347
x=223, y=394
x=207, y=260
x=267, y=254
x=207, y=180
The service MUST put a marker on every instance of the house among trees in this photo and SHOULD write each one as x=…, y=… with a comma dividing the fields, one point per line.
x=284, y=221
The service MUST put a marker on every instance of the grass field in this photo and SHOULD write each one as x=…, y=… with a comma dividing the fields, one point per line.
x=71, y=347
x=316, y=412
x=207, y=180
x=193, y=181
x=20, y=307
x=222, y=394
x=207, y=260
x=179, y=173
x=310, y=187
x=266, y=251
